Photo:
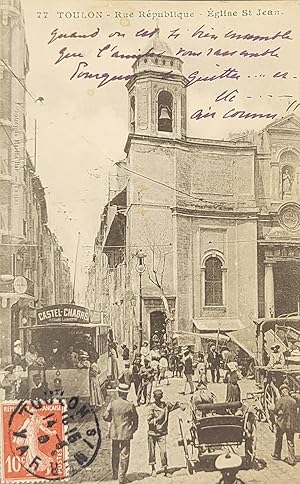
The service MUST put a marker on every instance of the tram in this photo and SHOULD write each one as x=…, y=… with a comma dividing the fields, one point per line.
x=68, y=327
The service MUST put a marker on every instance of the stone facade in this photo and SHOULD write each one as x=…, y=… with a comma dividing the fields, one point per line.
x=33, y=271
x=212, y=217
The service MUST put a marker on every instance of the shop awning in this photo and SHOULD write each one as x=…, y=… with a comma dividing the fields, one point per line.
x=215, y=324
x=245, y=339
x=214, y=336
x=185, y=338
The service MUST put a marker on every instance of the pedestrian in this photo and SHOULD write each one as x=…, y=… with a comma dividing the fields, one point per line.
x=40, y=391
x=277, y=359
x=125, y=352
x=145, y=352
x=135, y=352
x=147, y=377
x=124, y=421
x=113, y=354
x=14, y=385
x=172, y=363
x=201, y=395
x=96, y=398
x=8, y=382
x=158, y=421
x=213, y=360
x=200, y=368
x=155, y=353
x=163, y=368
x=126, y=375
x=156, y=370
x=233, y=393
x=286, y=416
x=155, y=339
x=188, y=368
x=136, y=378
x=179, y=365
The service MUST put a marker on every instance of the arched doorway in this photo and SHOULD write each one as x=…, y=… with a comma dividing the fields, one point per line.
x=157, y=325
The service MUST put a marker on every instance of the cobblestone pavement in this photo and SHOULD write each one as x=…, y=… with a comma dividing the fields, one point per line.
x=275, y=471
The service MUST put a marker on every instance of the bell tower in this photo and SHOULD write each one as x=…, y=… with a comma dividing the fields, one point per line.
x=157, y=93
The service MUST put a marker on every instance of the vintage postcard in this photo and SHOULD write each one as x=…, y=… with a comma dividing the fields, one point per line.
x=149, y=241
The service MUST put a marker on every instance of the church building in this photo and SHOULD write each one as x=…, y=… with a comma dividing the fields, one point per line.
x=201, y=235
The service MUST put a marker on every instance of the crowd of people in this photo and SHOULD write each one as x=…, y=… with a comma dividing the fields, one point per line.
x=159, y=362
x=147, y=369
x=17, y=384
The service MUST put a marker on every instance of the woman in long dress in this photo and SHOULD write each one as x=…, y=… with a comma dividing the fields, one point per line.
x=96, y=395
x=233, y=393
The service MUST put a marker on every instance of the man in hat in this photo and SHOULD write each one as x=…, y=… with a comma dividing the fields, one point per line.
x=41, y=390
x=286, y=415
x=145, y=352
x=163, y=368
x=158, y=422
x=14, y=385
x=188, y=367
x=201, y=395
x=126, y=375
x=125, y=352
x=124, y=422
x=147, y=377
x=8, y=382
x=276, y=357
x=213, y=360
x=136, y=377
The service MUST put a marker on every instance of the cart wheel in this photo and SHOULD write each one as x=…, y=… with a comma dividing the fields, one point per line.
x=271, y=394
x=183, y=442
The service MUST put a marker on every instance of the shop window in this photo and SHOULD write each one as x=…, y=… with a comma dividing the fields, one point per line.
x=213, y=282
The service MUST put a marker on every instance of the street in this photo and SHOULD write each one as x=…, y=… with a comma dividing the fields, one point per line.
x=275, y=471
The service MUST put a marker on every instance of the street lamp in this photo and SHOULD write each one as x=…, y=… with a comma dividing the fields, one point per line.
x=140, y=268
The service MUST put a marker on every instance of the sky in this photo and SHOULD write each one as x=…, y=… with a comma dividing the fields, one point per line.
x=82, y=129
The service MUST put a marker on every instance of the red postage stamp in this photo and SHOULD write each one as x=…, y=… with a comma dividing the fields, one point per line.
x=32, y=434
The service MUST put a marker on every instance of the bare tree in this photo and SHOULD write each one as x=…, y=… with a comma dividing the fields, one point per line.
x=156, y=269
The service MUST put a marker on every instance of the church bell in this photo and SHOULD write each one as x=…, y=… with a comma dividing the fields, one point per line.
x=164, y=113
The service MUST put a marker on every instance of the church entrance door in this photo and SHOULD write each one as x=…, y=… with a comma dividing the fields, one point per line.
x=157, y=325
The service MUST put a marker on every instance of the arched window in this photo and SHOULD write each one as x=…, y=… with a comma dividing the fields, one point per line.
x=213, y=282
x=165, y=111
x=132, y=113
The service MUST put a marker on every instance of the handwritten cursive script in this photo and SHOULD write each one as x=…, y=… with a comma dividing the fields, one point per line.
x=74, y=35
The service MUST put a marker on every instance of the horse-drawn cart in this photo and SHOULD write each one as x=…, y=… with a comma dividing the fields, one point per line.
x=216, y=429
x=283, y=331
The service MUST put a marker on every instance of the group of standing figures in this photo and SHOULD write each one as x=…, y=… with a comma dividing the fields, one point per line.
x=150, y=367
x=147, y=369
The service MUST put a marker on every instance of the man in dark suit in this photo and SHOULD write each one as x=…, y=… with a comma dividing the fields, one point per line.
x=124, y=422
x=286, y=415
x=40, y=391
x=188, y=367
x=213, y=360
